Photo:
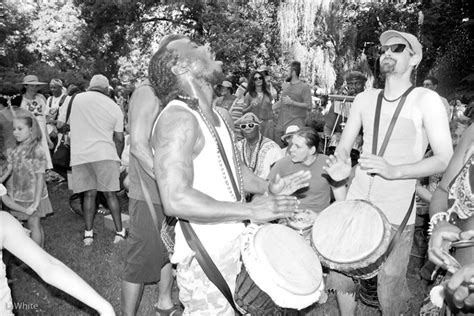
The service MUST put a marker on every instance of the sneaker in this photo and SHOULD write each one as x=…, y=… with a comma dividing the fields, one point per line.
x=120, y=236
x=88, y=238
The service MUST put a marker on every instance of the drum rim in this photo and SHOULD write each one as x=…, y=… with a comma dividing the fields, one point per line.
x=358, y=264
x=265, y=282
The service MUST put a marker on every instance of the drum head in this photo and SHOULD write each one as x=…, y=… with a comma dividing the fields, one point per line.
x=282, y=264
x=348, y=231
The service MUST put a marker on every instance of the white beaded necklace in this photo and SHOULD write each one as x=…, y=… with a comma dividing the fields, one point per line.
x=194, y=104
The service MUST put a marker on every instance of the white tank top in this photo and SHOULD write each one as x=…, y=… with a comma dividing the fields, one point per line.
x=210, y=178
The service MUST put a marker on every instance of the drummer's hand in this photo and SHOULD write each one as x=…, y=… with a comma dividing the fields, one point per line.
x=290, y=183
x=440, y=241
x=269, y=207
x=337, y=167
x=377, y=165
x=460, y=288
x=467, y=235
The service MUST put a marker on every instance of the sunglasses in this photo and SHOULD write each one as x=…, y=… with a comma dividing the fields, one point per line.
x=249, y=125
x=257, y=78
x=394, y=48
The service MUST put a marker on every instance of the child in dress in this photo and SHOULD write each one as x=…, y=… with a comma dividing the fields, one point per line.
x=26, y=168
x=14, y=238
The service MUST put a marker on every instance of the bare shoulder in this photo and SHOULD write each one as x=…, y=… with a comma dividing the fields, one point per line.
x=365, y=99
x=176, y=123
x=427, y=99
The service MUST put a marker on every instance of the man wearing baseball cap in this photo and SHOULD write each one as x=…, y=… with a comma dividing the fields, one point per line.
x=388, y=179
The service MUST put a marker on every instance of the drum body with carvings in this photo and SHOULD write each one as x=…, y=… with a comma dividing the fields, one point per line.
x=352, y=237
x=281, y=273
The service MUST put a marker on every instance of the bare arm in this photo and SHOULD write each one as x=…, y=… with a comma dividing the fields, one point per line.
x=51, y=270
x=439, y=199
x=6, y=174
x=437, y=129
x=177, y=140
x=351, y=129
x=39, y=180
x=144, y=108
x=15, y=206
x=119, y=142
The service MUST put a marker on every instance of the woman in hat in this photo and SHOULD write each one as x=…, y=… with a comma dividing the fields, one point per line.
x=259, y=101
x=35, y=103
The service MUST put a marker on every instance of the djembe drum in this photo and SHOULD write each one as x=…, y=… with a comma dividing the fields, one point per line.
x=281, y=273
x=352, y=237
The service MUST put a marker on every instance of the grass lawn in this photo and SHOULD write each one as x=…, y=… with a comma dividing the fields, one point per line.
x=101, y=266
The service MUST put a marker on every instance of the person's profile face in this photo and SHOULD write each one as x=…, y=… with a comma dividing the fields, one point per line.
x=429, y=85
x=56, y=90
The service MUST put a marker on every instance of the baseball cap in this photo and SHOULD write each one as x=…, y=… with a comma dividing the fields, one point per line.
x=99, y=82
x=413, y=42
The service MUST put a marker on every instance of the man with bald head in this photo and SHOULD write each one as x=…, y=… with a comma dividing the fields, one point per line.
x=388, y=181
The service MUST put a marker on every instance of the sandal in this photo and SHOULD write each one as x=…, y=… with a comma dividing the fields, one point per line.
x=88, y=240
x=120, y=236
x=103, y=210
x=176, y=310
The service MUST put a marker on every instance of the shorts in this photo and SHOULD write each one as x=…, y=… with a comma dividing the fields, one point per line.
x=98, y=175
x=146, y=253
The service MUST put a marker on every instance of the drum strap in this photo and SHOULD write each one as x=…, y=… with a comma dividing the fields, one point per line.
x=396, y=114
x=392, y=122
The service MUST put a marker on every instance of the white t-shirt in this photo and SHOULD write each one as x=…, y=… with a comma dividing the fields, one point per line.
x=94, y=119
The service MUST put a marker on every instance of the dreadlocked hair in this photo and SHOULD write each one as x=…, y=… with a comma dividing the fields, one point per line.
x=162, y=78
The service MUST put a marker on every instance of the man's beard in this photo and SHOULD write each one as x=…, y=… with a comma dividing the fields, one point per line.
x=387, y=67
x=207, y=71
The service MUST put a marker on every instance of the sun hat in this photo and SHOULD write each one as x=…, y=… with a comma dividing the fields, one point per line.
x=99, y=82
x=31, y=79
x=410, y=38
x=248, y=118
x=290, y=130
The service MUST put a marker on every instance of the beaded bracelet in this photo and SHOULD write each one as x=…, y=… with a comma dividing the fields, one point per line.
x=438, y=217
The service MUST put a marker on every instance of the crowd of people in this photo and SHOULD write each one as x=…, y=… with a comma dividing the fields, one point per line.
x=200, y=159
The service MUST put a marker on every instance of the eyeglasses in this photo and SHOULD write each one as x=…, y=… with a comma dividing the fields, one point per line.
x=249, y=125
x=394, y=48
x=257, y=78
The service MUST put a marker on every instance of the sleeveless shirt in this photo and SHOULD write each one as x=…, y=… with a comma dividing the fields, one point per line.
x=407, y=145
x=210, y=179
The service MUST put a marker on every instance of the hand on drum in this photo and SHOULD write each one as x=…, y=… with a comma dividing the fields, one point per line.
x=270, y=207
x=290, y=183
x=377, y=165
x=460, y=288
x=338, y=168
x=443, y=235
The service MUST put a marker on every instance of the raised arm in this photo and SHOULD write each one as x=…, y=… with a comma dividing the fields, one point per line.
x=14, y=239
x=144, y=108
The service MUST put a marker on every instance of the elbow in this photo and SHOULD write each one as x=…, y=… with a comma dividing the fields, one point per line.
x=50, y=270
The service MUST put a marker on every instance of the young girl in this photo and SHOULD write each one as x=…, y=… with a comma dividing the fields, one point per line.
x=14, y=238
x=26, y=167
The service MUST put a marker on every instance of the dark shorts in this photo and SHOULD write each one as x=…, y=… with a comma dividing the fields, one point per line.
x=145, y=254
